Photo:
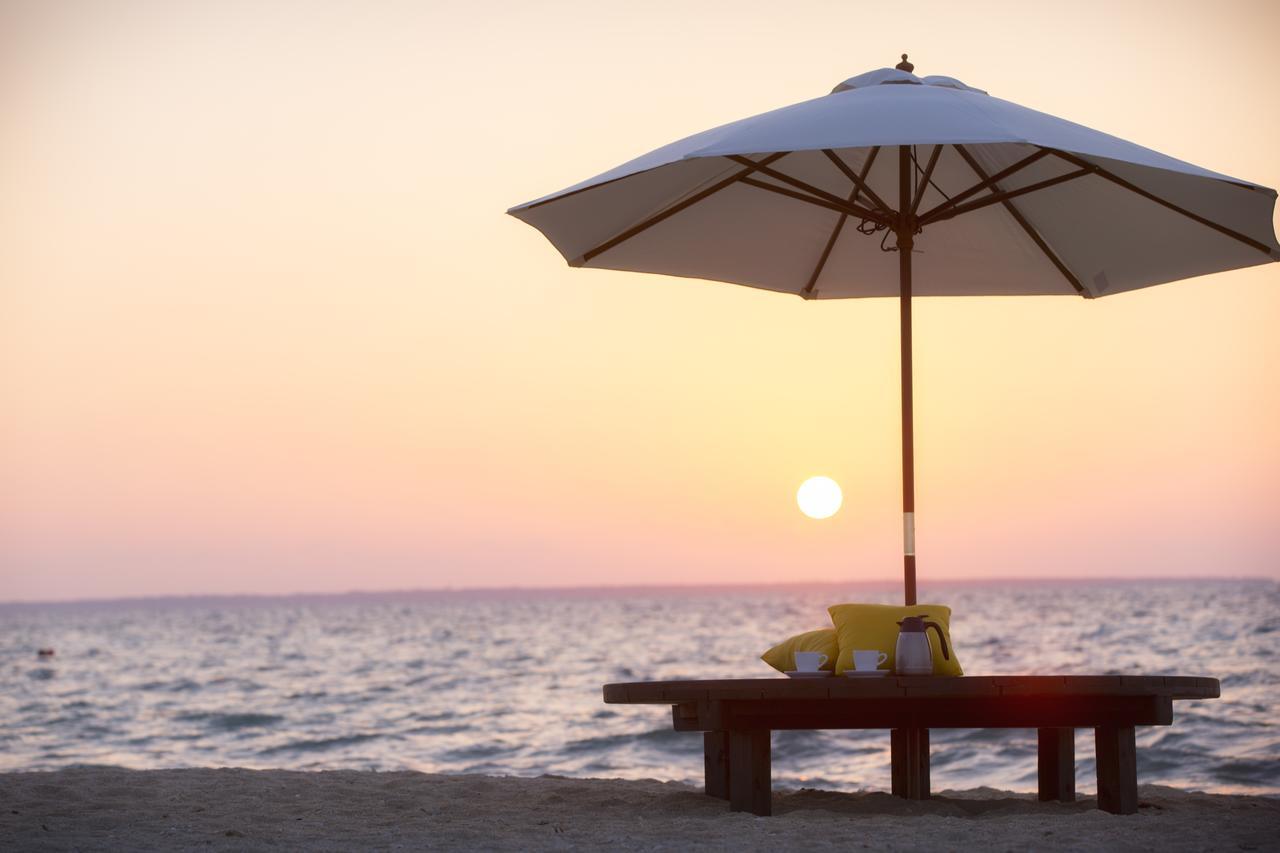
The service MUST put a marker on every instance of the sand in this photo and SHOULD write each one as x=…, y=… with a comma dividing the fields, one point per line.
x=230, y=809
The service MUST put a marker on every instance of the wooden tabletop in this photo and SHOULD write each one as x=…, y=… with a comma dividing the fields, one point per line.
x=841, y=687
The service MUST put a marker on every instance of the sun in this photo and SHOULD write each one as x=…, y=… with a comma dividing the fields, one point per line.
x=819, y=497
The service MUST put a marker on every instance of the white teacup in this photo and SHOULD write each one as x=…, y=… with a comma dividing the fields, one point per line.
x=865, y=660
x=810, y=661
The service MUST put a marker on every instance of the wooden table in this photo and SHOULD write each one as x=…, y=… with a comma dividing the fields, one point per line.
x=737, y=716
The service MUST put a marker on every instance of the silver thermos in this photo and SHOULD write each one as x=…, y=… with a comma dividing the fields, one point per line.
x=912, y=655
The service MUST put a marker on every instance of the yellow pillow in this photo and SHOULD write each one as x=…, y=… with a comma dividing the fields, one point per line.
x=782, y=657
x=875, y=626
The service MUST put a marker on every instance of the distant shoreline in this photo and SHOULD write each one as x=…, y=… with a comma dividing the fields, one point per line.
x=396, y=596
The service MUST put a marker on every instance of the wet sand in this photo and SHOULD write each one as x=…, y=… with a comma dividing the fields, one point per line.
x=230, y=809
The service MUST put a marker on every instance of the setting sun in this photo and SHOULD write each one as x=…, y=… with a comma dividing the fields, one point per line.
x=819, y=497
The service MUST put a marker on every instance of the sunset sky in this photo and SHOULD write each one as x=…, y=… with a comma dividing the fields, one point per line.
x=265, y=326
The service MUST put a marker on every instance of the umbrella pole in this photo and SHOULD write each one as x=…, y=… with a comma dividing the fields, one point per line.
x=906, y=239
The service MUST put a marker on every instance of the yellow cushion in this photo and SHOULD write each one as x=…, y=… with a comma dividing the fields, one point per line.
x=875, y=626
x=782, y=657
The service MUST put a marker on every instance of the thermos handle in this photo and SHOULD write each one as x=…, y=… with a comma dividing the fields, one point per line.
x=942, y=639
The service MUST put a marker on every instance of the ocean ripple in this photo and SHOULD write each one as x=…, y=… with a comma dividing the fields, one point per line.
x=510, y=683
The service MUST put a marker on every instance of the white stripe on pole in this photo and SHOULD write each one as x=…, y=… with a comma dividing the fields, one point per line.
x=909, y=534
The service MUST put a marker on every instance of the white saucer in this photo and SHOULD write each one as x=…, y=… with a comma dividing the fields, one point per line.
x=867, y=673
x=805, y=673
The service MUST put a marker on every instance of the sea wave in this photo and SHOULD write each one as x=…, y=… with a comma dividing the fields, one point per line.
x=321, y=744
x=230, y=722
x=512, y=684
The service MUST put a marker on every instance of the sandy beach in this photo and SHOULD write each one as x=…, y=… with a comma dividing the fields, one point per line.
x=233, y=809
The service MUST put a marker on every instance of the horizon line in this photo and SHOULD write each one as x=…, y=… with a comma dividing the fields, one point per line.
x=605, y=589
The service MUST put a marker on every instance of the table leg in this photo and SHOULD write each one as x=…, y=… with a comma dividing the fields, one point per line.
x=909, y=751
x=750, y=782
x=1057, y=765
x=715, y=758
x=1117, y=755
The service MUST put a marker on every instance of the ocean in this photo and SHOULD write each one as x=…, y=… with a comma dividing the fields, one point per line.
x=508, y=682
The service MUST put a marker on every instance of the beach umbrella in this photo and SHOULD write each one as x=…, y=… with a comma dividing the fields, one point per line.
x=903, y=186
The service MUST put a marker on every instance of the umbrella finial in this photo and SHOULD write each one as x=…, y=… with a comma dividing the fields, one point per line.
x=904, y=65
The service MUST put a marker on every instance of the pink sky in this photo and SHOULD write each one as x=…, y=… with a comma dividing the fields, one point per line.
x=266, y=327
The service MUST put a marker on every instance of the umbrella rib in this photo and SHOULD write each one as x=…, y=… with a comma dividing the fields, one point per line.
x=816, y=195
x=826, y=253
x=676, y=208
x=932, y=214
x=859, y=181
x=928, y=175
x=838, y=205
x=835, y=232
x=1025, y=225
x=1121, y=182
x=1005, y=195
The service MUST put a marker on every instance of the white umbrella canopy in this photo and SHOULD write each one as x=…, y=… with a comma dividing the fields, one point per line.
x=1100, y=230
x=988, y=197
